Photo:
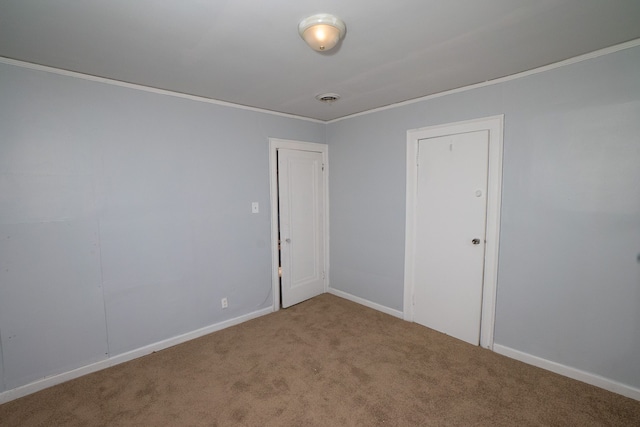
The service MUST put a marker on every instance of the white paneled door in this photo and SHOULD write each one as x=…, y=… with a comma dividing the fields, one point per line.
x=451, y=214
x=301, y=194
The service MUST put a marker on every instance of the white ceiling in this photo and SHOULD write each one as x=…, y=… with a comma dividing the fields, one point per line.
x=249, y=52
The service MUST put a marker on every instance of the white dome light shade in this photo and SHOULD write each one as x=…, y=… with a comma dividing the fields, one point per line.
x=322, y=32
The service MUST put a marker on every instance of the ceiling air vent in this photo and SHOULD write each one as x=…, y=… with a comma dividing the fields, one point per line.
x=328, y=97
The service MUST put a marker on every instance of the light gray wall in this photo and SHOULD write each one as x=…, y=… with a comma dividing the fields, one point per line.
x=569, y=282
x=124, y=218
x=125, y=215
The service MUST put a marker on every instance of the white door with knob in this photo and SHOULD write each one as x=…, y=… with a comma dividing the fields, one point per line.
x=450, y=226
x=301, y=199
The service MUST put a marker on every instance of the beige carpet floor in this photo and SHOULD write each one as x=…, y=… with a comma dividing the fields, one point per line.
x=324, y=362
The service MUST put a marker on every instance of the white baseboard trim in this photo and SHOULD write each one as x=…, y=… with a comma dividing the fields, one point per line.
x=366, y=303
x=47, y=382
x=567, y=371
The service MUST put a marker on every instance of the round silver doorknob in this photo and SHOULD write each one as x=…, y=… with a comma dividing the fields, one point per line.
x=287, y=240
x=476, y=241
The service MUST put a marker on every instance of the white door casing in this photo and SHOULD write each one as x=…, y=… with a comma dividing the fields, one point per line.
x=450, y=233
x=299, y=185
x=494, y=127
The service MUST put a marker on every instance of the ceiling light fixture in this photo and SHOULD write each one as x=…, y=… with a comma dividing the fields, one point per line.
x=322, y=31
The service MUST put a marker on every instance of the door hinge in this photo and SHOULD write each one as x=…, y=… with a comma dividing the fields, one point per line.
x=323, y=167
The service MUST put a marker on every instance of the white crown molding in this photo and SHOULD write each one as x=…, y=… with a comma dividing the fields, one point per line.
x=574, y=60
x=570, y=61
x=89, y=77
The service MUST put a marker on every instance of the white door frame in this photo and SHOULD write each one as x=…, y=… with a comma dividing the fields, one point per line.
x=274, y=145
x=494, y=192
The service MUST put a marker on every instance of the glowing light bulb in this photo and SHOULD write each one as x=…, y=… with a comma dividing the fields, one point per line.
x=320, y=34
